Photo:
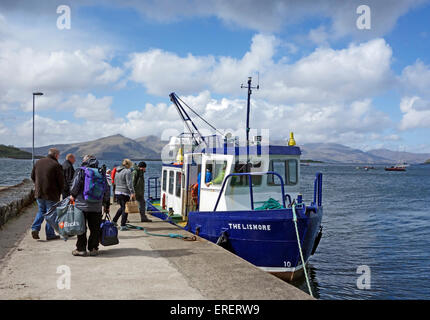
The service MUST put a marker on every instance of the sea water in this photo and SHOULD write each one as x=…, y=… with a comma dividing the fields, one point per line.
x=373, y=218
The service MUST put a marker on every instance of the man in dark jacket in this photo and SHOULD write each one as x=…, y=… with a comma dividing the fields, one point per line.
x=68, y=172
x=92, y=209
x=139, y=189
x=47, y=175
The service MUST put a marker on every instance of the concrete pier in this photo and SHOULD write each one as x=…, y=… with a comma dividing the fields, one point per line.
x=140, y=267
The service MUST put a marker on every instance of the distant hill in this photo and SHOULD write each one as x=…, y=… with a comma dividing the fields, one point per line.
x=108, y=148
x=12, y=152
x=152, y=142
x=332, y=152
x=401, y=156
x=118, y=147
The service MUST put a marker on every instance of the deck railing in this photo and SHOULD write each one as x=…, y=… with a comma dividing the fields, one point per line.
x=251, y=193
x=154, y=186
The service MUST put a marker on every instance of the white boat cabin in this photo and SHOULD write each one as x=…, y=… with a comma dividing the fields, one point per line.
x=181, y=192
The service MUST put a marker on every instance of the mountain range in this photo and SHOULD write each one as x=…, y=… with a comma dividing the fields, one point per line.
x=117, y=147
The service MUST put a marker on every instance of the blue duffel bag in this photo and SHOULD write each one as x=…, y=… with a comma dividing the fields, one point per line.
x=108, y=232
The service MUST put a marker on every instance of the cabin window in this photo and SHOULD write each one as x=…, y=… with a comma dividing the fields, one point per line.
x=292, y=172
x=278, y=166
x=287, y=169
x=217, y=172
x=171, y=179
x=240, y=167
x=164, y=180
x=178, y=184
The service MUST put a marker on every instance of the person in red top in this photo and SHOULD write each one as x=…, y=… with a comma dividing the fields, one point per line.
x=112, y=175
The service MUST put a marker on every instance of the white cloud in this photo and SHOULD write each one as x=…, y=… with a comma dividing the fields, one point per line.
x=325, y=75
x=90, y=108
x=416, y=113
x=26, y=66
x=416, y=78
x=162, y=71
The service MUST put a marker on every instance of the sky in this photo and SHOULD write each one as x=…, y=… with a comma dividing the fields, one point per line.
x=327, y=70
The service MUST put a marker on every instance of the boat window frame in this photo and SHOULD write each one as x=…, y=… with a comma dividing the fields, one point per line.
x=286, y=176
x=296, y=177
x=164, y=185
x=257, y=180
x=171, y=181
x=216, y=163
x=178, y=186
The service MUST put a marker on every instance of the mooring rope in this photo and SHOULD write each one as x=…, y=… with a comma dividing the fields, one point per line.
x=300, y=249
x=170, y=235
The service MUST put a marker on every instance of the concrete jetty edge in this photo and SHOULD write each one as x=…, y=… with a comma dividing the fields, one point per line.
x=14, y=199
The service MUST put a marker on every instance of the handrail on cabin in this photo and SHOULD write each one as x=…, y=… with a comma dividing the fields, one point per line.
x=250, y=174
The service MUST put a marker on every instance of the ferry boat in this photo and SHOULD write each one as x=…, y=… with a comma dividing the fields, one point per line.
x=245, y=198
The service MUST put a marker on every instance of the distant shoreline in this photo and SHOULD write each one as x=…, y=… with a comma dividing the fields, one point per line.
x=21, y=158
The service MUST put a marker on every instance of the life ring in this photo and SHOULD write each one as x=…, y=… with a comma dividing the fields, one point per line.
x=163, y=202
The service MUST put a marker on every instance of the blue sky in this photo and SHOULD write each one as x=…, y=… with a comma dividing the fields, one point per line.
x=320, y=76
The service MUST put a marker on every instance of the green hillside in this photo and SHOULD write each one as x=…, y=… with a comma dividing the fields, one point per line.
x=12, y=152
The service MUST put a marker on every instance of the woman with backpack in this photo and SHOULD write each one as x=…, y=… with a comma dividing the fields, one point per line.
x=90, y=192
x=124, y=191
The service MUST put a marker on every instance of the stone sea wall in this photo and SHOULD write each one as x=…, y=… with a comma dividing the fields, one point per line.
x=14, y=199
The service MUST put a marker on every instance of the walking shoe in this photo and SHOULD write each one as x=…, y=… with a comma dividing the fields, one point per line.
x=56, y=237
x=94, y=252
x=145, y=220
x=78, y=253
x=123, y=228
x=35, y=234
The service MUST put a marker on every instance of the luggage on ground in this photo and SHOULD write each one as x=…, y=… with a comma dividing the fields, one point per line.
x=108, y=232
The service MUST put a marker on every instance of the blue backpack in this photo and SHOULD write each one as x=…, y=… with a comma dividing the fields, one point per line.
x=94, y=185
x=108, y=232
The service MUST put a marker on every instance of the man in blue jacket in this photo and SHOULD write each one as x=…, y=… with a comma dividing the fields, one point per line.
x=92, y=209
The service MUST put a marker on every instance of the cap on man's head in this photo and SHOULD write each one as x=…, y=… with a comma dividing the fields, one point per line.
x=142, y=164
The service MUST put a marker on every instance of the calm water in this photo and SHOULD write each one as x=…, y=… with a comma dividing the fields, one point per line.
x=375, y=218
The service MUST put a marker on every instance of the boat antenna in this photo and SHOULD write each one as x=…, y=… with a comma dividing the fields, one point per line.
x=249, y=87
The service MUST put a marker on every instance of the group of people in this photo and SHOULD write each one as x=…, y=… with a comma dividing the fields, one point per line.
x=53, y=180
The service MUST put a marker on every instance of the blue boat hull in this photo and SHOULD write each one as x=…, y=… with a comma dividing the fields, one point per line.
x=265, y=238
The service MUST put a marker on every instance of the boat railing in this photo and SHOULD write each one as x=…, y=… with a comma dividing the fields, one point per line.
x=156, y=186
x=251, y=192
x=318, y=189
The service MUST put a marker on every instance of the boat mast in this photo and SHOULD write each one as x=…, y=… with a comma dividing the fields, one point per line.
x=248, y=109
